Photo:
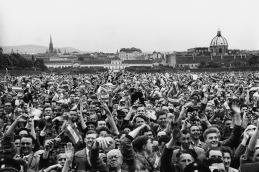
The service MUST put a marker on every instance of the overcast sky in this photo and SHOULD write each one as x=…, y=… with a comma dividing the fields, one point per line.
x=108, y=25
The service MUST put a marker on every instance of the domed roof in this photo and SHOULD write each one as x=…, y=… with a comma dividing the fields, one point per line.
x=218, y=40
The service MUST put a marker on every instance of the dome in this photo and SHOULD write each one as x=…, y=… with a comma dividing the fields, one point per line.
x=218, y=40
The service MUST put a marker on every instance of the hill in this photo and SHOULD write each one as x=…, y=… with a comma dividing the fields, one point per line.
x=34, y=49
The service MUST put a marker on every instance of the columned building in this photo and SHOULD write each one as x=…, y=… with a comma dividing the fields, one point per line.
x=218, y=45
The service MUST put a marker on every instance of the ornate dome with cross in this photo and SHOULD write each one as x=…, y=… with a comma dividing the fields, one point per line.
x=218, y=45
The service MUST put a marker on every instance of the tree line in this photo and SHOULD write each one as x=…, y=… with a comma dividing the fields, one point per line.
x=16, y=61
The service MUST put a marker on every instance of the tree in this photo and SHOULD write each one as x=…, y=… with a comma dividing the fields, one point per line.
x=202, y=64
x=80, y=58
x=254, y=60
x=39, y=63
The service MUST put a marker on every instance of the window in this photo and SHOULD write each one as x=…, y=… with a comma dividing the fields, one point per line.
x=220, y=50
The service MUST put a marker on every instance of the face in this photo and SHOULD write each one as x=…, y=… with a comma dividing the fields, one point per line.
x=185, y=140
x=227, y=159
x=141, y=111
x=103, y=134
x=91, y=127
x=72, y=97
x=184, y=160
x=93, y=118
x=149, y=146
x=48, y=112
x=89, y=139
x=195, y=132
x=149, y=106
x=26, y=146
x=61, y=159
x=8, y=107
x=162, y=120
x=114, y=160
x=127, y=130
x=215, y=154
x=149, y=134
x=220, y=167
x=17, y=144
x=101, y=124
x=73, y=116
x=212, y=140
x=139, y=122
x=244, y=109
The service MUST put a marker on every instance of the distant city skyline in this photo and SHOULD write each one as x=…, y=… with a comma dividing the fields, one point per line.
x=107, y=26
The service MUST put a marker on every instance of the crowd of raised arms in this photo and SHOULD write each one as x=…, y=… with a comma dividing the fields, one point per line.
x=130, y=122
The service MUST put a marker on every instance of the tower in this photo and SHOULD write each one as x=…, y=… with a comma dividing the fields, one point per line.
x=51, y=49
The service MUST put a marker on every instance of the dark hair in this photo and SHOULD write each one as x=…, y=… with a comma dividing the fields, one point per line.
x=140, y=116
x=185, y=132
x=90, y=132
x=211, y=161
x=103, y=128
x=46, y=108
x=159, y=113
x=29, y=136
x=213, y=149
x=5, y=125
x=139, y=142
x=226, y=149
x=164, y=139
x=16, y=137
x=186, y=151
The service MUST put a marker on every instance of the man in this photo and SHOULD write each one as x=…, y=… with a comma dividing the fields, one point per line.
x=161, y=121
x=27, y=144
x=82, y=157
x=184, y=157
x=114, y=156
x=185, y=140
x=195, y=133
x=9, y=165
x=216, y=164
x=144, y=146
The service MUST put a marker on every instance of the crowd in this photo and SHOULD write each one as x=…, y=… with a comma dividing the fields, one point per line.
x=130, y=122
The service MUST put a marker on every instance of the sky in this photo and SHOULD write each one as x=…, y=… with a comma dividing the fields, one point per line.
x=108, y=25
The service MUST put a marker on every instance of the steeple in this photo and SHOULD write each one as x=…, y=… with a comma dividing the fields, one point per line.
x=51, y=49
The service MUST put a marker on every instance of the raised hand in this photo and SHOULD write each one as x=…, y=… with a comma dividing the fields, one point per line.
x=22, y=118
x=236, y=108
x=69, y=151
x=103, y=142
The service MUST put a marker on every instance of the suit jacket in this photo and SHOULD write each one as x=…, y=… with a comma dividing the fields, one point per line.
x=83, y=159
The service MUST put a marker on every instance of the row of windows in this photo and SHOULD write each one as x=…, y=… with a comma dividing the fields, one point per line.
x=190, y=65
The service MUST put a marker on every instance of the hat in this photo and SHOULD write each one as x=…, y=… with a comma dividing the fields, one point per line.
x=9, y=164
x=196, y=167
x=127, y=126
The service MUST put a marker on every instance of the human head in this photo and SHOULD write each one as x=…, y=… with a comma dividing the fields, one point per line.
x=227, y=156
x=184, y=158
x=90, y=137
x=214, y=153
x=140, y=120
x=114, y=159
x=161, y=118
x=101, y=123
x=17, y=143
x=185, y=139
x=143, y=143
x=141, y=110
x=61, y=159
x=48, y=111
x=103, y=132
x=27, y=144
x=216, y=163
x=73, y=116
x=211, y=138
x=195, y=132
x=8, y=107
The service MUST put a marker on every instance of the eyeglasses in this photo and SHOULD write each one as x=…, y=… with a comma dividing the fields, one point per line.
x=114, y=156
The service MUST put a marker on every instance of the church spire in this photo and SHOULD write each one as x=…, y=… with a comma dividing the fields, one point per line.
x=51, y=49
